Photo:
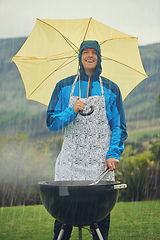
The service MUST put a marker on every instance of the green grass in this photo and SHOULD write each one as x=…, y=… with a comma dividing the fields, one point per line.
x=144, y=134
x=137, y=220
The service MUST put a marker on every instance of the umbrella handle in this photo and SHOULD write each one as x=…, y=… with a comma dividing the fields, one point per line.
x=88, y=113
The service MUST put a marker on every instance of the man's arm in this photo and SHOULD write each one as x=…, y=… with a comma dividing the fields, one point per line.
x=58, y=112
x=119, y=134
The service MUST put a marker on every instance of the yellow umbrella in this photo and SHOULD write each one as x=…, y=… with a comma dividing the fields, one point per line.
x=50, y=54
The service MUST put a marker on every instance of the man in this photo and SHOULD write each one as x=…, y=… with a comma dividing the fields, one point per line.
x=88, y=147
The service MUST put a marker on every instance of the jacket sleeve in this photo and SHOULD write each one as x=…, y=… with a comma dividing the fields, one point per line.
x=58, y=112
x=117, y=127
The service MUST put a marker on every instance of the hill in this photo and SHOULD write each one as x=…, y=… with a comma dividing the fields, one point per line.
x=141, y=106
x=17, y=113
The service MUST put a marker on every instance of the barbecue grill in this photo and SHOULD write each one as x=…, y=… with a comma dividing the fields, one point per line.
x=79, y=203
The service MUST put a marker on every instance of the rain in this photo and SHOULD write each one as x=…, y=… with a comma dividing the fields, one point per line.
x=29, y=150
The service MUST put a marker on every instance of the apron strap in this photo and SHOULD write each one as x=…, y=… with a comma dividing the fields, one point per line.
x=101, y=84
x=74, y=84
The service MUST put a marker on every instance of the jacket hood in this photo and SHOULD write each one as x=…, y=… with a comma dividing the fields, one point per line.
x=95, y=45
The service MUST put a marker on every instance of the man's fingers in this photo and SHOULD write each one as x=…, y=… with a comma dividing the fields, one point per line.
x=79, y=105
x=112, y=163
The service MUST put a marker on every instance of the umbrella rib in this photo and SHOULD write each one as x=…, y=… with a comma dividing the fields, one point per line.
x=87, y=29
x=111, y=39
x=54, y=59
x=65, y=38
x=34, y=58
x=124, y=65
x=61, y=66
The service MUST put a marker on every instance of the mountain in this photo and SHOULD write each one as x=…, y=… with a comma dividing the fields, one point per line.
x=17, y=113
x=141, y=106
x=142, y=102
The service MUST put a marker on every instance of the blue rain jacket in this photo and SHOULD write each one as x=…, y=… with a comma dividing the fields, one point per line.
x=59, y=114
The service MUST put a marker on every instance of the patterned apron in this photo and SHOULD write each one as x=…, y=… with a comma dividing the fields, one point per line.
x=86, y=142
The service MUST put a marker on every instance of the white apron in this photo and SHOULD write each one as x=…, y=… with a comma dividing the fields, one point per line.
x=86, y=142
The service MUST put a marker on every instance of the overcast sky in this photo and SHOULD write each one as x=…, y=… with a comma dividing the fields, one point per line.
x=139, y=18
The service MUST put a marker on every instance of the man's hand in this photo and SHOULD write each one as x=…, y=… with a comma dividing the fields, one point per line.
x=79, y=105
x=112, y=163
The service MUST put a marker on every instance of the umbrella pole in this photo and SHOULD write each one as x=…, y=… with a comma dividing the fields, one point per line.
x=80, y=233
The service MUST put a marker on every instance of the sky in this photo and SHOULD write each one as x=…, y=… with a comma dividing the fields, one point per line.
x=139, y=18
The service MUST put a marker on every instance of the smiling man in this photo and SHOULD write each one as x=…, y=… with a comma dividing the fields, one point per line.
x=89, y=60
x=88, y=147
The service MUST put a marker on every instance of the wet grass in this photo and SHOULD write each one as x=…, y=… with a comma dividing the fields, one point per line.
x=146, y=134
x=137, y=220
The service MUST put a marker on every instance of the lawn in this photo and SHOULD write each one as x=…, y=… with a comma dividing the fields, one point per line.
x=129, y=220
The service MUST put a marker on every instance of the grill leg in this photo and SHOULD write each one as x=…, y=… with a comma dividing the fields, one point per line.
x=80, y=233
x=98, y=231
x=61, y=232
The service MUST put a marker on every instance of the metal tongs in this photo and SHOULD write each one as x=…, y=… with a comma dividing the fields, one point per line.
x=101, y=176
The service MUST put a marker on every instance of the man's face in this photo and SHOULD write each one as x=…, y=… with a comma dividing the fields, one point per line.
x=89, y=60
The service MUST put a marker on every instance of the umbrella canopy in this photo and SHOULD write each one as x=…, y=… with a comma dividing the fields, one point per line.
x=50, y=54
